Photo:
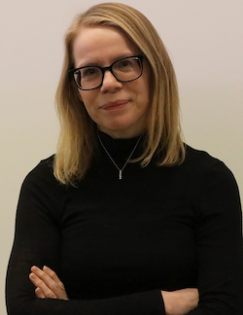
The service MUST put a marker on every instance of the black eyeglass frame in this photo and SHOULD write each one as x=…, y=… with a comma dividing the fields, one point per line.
x=104, y=69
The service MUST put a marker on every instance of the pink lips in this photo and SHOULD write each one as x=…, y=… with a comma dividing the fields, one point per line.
x=114, y=105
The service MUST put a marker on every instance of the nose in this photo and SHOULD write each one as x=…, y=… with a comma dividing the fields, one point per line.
x=110, y=83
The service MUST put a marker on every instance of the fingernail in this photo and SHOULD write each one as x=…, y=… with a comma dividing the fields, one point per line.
x=33, y=276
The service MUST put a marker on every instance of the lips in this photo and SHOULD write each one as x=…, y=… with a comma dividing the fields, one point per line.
x=114, y=105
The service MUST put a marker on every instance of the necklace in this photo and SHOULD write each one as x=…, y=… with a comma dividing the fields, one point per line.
x=120, y=170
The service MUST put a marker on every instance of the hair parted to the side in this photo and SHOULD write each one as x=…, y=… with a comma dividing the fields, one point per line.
x=77, y=140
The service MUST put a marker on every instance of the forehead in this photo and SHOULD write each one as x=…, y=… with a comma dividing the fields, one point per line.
x=101, y=43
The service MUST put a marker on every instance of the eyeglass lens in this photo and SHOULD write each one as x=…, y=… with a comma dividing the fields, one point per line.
x=124, y=70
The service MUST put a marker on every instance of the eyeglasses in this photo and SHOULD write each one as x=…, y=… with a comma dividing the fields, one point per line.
x=124, y=70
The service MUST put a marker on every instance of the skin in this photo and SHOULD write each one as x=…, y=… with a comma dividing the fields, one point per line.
x=48, y=285
x=92, y=46
x=121, y=121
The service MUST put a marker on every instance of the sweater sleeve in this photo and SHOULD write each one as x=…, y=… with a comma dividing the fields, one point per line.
x=219, y=243
x=37, y=242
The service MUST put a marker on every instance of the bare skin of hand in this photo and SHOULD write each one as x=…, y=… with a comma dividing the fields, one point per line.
x=47, y=283
x=180, y=302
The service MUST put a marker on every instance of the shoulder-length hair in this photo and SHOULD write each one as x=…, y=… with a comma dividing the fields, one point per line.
x=77, y=140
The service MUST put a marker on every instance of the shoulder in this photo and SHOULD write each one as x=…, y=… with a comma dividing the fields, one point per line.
x=205, y=171
x=195, y=156
x=211, y=178
x=43, y=170
x=41, y=178
x=201, y=162
x=41, y=192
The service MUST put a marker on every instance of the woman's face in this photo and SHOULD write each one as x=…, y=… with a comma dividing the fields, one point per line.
x=118, y=108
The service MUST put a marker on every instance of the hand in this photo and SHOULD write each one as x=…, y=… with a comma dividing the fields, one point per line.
x=47, y=283
x=180, y=302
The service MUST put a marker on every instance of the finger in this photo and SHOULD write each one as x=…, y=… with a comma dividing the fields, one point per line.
x=42, y=275
x=52, y=274
x=39, y=293
x=60, y=287
x=47, y=292
x=56, y=286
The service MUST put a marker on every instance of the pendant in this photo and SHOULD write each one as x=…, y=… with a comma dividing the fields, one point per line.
x=120, y=174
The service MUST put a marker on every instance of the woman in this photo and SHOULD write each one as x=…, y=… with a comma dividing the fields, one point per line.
x=128, y=219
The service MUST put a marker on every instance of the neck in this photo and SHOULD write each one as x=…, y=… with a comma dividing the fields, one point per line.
x=111, y=157
x=122, y=134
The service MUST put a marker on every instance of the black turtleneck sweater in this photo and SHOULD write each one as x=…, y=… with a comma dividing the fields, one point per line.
x=116, y=243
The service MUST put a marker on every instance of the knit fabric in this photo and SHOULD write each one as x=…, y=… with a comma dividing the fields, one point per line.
x=115, y=244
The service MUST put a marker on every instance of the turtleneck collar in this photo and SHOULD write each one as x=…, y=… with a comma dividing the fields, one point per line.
x=120, y=149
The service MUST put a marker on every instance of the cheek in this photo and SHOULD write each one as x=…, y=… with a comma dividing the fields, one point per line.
x=148, y=80
x=81, y=96
x=145, y=94
x=89, y=102
x=87, y=97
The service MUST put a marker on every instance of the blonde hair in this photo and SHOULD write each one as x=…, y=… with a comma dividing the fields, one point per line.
x=77, y=140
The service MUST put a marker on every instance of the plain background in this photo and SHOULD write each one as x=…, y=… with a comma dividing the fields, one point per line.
x=204, y=39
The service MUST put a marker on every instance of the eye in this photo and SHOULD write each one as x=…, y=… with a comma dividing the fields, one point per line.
x=90, y=72
x=124, y=63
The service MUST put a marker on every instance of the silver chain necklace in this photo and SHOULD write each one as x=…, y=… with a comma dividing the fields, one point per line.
x=119, y=170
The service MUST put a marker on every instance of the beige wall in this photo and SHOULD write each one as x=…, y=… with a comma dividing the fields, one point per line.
x=204, y=39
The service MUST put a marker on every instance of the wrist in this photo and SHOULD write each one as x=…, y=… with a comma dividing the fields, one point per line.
x=167, y=302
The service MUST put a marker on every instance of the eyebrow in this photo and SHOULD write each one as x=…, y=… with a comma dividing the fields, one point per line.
x=95, y=64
